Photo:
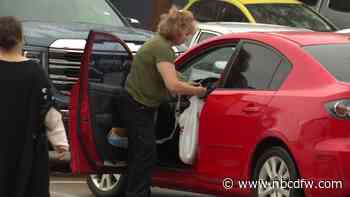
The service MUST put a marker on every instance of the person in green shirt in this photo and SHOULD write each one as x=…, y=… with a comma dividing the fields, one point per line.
x=151, y=80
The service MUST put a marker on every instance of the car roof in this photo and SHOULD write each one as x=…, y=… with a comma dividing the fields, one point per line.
x=300, y=38
x=315, y=38
x=237, y=27
x=266, y=1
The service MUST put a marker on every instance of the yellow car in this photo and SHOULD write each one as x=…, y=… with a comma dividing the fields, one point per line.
x=281, y=12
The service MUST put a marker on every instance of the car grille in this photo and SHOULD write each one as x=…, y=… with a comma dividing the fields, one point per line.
x=64, y=67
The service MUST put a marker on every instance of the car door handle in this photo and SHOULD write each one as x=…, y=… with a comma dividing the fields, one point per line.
x=252, y=109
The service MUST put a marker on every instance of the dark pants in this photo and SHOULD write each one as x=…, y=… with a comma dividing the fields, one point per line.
x=142, y=153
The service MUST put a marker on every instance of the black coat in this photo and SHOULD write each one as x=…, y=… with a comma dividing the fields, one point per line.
x=24, y=101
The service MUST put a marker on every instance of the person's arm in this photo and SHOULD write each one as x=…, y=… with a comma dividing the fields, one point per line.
x=180, y=76
x=173, y=84
x=56, y=132
x=51, y=118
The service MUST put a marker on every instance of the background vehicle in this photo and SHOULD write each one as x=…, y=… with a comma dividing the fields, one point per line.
x=281, y=12
x=56, y=31
x=211, y=29
x=268, y=118
x=338, y=11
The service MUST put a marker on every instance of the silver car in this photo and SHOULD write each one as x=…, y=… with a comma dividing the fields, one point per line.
x=211, y=29
x=338, y=11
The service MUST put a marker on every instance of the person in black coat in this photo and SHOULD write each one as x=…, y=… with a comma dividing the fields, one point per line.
x=25, y=99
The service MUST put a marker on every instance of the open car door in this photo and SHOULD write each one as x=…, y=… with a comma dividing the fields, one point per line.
x=105, y=65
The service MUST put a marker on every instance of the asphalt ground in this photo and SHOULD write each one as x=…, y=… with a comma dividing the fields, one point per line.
x=66, y=185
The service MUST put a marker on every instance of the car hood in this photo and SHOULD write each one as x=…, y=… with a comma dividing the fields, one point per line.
x=38, y=33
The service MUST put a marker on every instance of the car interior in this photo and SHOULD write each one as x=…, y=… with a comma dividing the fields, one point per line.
x=107, y=74
x=101, y=106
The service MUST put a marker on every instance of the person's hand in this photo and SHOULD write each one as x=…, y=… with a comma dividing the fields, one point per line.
x=61, y=151
x=201, y=91
x=195, y=83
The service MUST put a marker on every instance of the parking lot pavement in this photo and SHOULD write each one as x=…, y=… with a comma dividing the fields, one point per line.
x=64, y=185
x=68, y=186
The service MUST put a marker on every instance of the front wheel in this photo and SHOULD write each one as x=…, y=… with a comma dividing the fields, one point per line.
x=273, y=169
x=107, y=185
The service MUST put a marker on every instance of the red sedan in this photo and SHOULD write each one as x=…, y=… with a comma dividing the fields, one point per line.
x=279, y=115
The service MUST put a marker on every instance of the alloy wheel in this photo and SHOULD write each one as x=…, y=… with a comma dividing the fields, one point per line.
x=272, y=172
x=105, y=182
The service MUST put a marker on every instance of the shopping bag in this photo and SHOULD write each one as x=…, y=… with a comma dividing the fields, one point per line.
x=189, y=124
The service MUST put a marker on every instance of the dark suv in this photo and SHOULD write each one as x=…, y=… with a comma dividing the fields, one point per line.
x=55, y=34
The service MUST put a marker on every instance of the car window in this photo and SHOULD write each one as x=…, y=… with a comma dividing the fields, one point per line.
x=253, y=68
x=189, y=40
x=210, y=64
x=205, y=35
x=339, y=5
x=83, y=11
x=337, y=63
x=204, y=11
x=310, y=2
x=294, y=15
x=109, y=62
x=281, y=74
x=230, y=13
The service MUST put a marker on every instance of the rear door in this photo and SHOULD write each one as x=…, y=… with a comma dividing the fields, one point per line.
x=105, y=64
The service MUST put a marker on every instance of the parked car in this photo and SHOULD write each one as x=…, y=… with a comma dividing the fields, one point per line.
x=211, y=29
x=280, y=111
x=338, y=11
x=56, y=32
x=280, y=12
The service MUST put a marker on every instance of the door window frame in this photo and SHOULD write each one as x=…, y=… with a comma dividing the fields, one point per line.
x=186, y=64
x=205, y=31
x=84, y=95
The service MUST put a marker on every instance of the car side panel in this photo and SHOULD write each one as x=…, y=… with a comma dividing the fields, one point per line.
x=230, y=123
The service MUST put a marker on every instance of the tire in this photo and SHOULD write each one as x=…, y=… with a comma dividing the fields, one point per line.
x=107, y=185
x=281, y=166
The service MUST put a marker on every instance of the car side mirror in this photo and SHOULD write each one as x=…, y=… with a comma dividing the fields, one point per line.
x=219, y=66
x=133, y=22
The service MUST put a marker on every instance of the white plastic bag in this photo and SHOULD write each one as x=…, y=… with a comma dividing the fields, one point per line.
x=189, y=123
x=55, y=130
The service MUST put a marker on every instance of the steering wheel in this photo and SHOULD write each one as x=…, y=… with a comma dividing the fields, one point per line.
x=206, y=81
x=210, y=83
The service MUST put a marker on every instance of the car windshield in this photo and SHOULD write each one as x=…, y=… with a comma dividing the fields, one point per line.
x=310, y=2
x=337, y=63
x=83, y=11
x=294, y=15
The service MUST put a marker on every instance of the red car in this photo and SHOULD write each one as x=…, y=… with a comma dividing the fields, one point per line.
x=280, y=113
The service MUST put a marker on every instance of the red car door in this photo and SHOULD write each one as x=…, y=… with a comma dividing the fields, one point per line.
x=235, y=114
x=102, y=73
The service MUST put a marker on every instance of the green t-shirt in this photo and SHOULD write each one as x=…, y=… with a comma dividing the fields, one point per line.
x=144, y=83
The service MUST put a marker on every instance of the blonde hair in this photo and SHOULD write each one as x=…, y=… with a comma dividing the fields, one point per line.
x=176, y=22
